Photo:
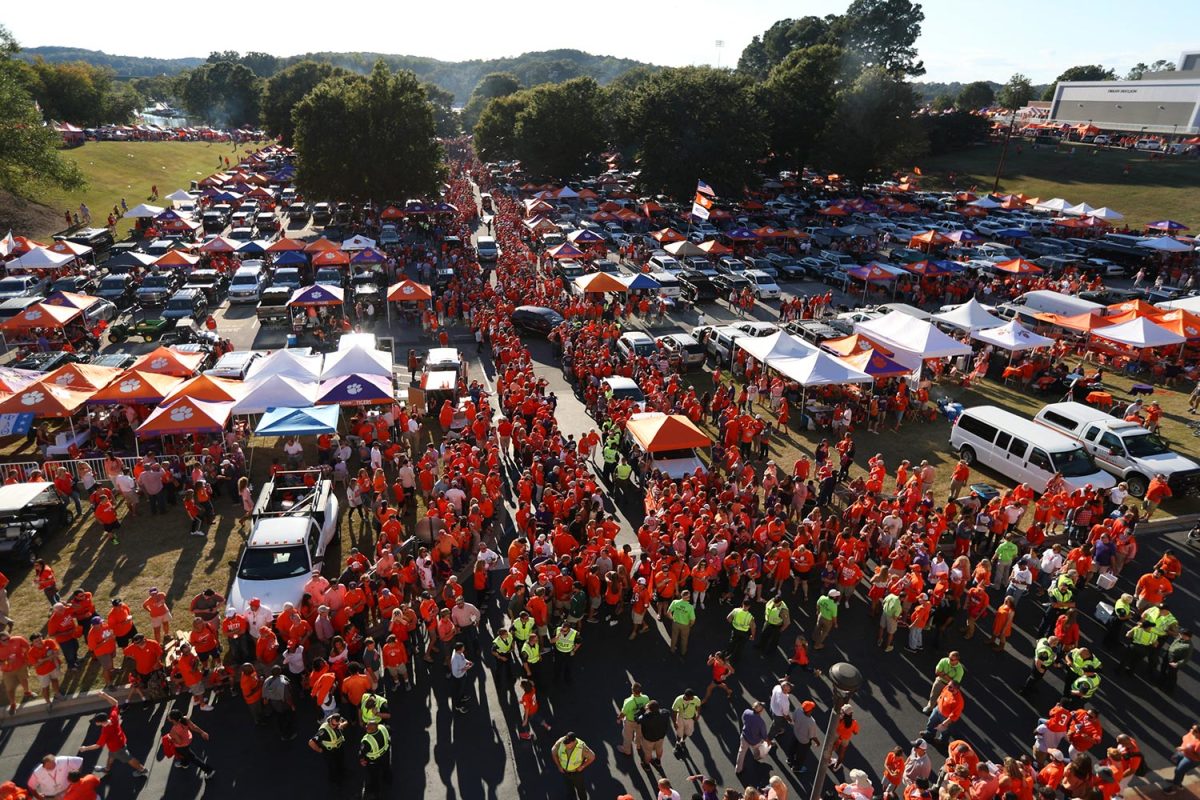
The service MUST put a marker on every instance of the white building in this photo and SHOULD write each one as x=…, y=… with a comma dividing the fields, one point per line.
x=1159, y=103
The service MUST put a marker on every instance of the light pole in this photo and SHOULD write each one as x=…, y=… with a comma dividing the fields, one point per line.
x=846, y=680
x=1012, y=122
x=720, y=45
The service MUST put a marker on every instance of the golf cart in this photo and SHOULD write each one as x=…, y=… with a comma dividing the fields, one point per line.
x=28, y=512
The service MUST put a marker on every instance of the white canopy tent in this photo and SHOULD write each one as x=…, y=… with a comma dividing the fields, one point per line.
x=143, y=211
x=357, y=360
x=970, y=316
x=769, y=349
x=1054, y=204
x=276, y=392
x=684, y=249
x=1012, y=337
x=819, y=368
x=299, y=365
x=1081, y=210
x=358, y=242
x=903, y=334
x=984, y=202
x=1106, y=213
x=1140, y=333
x=41, y=258
x=178, y=196
x=1165, y=244
x=1186, y=303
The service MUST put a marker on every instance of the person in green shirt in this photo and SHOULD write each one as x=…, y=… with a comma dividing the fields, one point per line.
x=1179, y=652
x=1006, y=553
x=948, y=669
x=827, y=615
x=683, y=615
x=684, y=712
x=627, y=717
x=889, y=619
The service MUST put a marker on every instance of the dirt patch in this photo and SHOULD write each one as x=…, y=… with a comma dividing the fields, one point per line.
x=20, y=215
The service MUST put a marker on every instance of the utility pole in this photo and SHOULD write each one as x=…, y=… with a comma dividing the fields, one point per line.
x=1004, y=151
x=720, y=44
x=846, y=680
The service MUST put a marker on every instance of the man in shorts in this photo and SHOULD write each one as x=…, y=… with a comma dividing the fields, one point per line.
x=13, y=669
x=112, y=737
x=47, y=661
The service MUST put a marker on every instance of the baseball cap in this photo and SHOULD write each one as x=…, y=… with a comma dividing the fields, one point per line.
x=835, y=594
x=920, y=744
x=1056, y=754
x=808, y=706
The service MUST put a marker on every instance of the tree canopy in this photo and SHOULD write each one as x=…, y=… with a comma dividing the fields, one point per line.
x=560, y=128
x=490, y=86
x=975, y=95
x=873, y=128
x=287, y=88
x=1016, y=93
x=495, y=132
x=798, y=97
x=222, y=93
x=367, y=137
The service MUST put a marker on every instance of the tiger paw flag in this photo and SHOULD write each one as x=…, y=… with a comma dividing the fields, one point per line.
x=703, y=202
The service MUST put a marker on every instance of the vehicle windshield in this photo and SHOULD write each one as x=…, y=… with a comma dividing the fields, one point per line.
x=285, y=277
x=180, y=303
x=674, y=455
x=1074, y=463
x=764, y=280
x=156, y=281
x=113, y=282
x=329, y=276
x=1141, y=445
x=65, y=284
x=643, y=348
x=629, y=393
x=273, y=564
x=364, y=279
x=11, y=284
x=245, y=280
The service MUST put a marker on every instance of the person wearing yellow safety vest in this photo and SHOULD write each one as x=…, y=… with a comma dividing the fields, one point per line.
x=373, y=709
x=572, y=756
x=505, y=649
x=566, y=645
x=531, y=659
x=329, y=741
x=683, y=616
x=1045, y=655
x=776, y=617
x=742, y=628
x=375, y=754
x=1062, y=597
x=1077, y=662
x=1083, y=688
x=1142, y=641
x=624, y=473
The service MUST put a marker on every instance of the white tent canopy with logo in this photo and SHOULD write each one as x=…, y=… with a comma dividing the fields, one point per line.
x=1013, y=337
x=970, y=316
x=41, y=258
x=1054, y=204
x=143, y=211
x=768, y=349
x=684, y=249
x=1140, y=333
x=1165, y=244
x=357, y=360
x=819, y=368
x=912, y=340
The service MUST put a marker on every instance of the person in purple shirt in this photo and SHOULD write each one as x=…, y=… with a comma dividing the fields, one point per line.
x=754, y=735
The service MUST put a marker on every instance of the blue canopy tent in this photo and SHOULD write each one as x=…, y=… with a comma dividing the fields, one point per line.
x=298, y=421
x=641, y=281
x=255, y=246
x=291, y=258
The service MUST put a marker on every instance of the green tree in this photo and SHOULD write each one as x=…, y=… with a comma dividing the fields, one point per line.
x=799, y=97
x=288, y=87
x=1016, y=93
x=943, y=102
x=976, y=95
x=158, y=87
x=121, y=102
x=958, y=130
x=72, y=91
x=445, y=119
x=367, y=137
x=495, y=131
x=698, y=122
x=873, y=128
x=1082, y=72
x=29, y=154
x=264, y=65
x=883, y=33
x=560, y=128
x=1141, y=68
x=769, y=50
x=490, y=86
x=222, y=93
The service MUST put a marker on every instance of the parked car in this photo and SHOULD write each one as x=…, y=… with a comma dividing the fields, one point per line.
x=117, y=289
x=248, y=283
x=731, y=282
x=536, y=319
x=682, y=347
x=210, y=281
x=634, y=343
x=186, y=303
x=288, y=278
x=298, y=213
x=29, y=513
x=156, y=288
x=389, y=235
x=765, y=287
x=23, y=286
x=322, y=213
x=696, y=288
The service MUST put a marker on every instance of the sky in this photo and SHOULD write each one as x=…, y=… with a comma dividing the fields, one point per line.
x=961, y=40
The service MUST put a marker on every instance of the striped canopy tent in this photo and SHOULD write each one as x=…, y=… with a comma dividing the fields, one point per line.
x=852, y=344
x=135, y=387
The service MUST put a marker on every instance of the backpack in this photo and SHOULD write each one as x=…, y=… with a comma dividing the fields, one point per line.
x=168, y=746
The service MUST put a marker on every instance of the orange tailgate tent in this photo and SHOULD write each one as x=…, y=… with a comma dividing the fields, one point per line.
x=407, y=290
x=209, y=389
x=84, y=377
x=331, y=258
x=1138, y=306
x=1019, y=266
x=1180, y=321
x=176, y=258
x=714, y=248
x=600, y=282
x=45, y=399
x=852, y=344
x=39, y=315
x=71, y=300
x=186, y=415
x=166, y=361
x=1087, y=321
x=658, y=432
x=320, y=245
x=667, y=236
x=285, y=245
x=136, y=387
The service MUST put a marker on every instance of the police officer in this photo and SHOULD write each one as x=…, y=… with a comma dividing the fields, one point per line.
x=1165, y=626
x=1062, y=597
x=572, y=756
x=742, y=629
x=329, y=741
x=1045, y=654
x=1077, y=662
x=1115, y=628
x=373, y=708
x=611, y=456
x=1084, y=687
x=566, y=644
x=531, y=659
x=775, y=619
x=624, y=472
x=1143, y=639
x=504, y=651
x=374, y=753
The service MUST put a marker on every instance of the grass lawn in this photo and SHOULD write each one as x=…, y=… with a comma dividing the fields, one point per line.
x=1153, y=189
x=128, y=169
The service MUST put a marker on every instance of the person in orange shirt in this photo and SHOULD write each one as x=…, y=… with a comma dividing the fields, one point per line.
x=146, y=655
x=355, y=685
x=120, y=619
x=395, y=663
x=1003, y=624
x=893, y=772
x=266, y=649
x=160, y=614
x=45, y=656
x=1156, y=493
x=950, y=704
x=1152, y=588
x=250, y=683
x=917, y=622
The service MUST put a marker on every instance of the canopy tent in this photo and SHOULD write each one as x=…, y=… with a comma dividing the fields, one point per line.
x=129, y=259
x=1181, y=322
x=768, y=349
x=564, y=250
x=599, y=282
x=209, y=389
x=963, y=235
x=407, y=291
x=684, y=249
x=656, y=433
x=1139, y=306
x=219, y=244
x=143, y=211
x=985, y=203
x=178, y=196
x=1013, y=337
x=1019, y=266
x=932, y=269
x=1081, y=210
x=286, y=245
x=1107, y=214
x=176, y=258
x=1186, y=303
x=307, y=421
x=714, y=248
x=1086, y=321
x=356, y=390
x=1166, y=225
x=1054, y=204
x=852, y=344
x=136, y=387
x=41, y=258
x=166, y=361
x=275, y=392
x=65, y=248
x=667, y=236
x=741, y=235
x=357, y=360
x=638, y=280
x=819, y=369
x=45, y=399
x=1165, y=244
x=13, y=380
x=186, y=415
x=255, y=247
x=928, y=238
x=876, y=364
x=320, y=245
x=585, y=236
x=299, y=365
x=871, y=273
x=856, y=231
x=38, y=316
x=318, y=295
x=291, y=258
x=331, y=258
x=970, y=316
x=903, y=335
x=1140, y=333
x=358, y=242
x=84, y=377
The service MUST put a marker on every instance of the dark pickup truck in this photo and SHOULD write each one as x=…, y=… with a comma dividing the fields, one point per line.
x=272, y=308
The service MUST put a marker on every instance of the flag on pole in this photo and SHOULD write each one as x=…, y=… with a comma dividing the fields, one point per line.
x=7, y=244
x=703, y=202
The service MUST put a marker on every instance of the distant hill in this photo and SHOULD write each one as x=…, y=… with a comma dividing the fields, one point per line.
x=928, y=90
x=456, y=77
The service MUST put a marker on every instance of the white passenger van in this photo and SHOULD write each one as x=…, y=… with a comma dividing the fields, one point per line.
x=1022, y=450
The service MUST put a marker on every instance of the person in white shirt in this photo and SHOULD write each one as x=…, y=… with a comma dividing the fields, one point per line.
x=781, y=709
x=258, y=615
x=1019, y=580
x=127, y=486
x=1048, y=567
x=456, y=497
x=294, y=451
x=1118, y=493
x=49, y=781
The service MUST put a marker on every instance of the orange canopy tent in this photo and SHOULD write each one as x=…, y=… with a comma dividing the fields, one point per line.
x=284, y=245
x=391, y=212
x=852, y=344
x=658, y=432
x=667, y=236
x=219, y=244
x=715, y=248
x=973, y=211
x=331, y=258
x=1181, y=322
x=600, y=282
x=1087, y=321
x=84, y=377
x=407, y=290
x=40, y=315
x=166, y=361
x=1019, y=266
x=209, y=389
x=650, y=208
x=186, y=415
x=177, y=258
x=137, y=388
x=1140, y=307
x=318, y=245
x=45, y=399
x=768, y=232
x=928, y=239
x=834, y=211
x=65, y=248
